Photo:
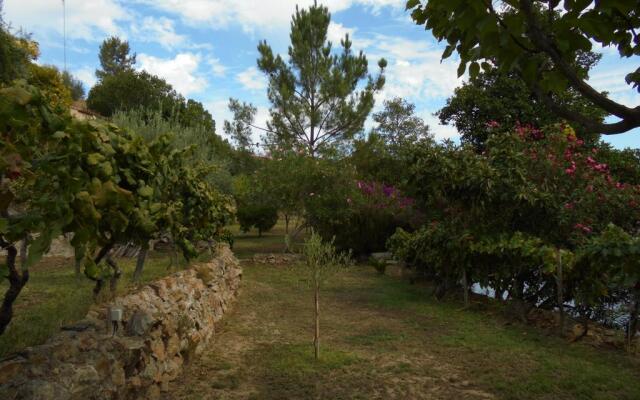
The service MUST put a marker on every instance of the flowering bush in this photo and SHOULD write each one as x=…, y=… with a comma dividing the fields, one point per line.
x=531, y=200
x=361, y=215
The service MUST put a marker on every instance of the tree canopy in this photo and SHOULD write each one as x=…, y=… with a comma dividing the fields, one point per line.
x=492, y=102
x=540, y=40
x=315, y=97
x=115, y=57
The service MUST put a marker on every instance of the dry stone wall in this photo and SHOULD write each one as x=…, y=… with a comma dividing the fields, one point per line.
x=164, y=325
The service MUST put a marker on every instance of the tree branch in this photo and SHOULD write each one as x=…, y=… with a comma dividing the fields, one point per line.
x=588, y=123
x=630, y=117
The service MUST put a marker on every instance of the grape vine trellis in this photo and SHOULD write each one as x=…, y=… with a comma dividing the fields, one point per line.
x=103, y=185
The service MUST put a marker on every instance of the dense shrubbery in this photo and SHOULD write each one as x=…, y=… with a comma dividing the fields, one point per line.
x=523, y=215
x=360, y=215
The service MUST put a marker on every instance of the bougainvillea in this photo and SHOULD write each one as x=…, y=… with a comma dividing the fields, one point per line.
x=533, y=200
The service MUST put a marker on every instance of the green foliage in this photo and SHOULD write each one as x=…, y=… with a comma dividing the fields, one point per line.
x=256, y=208
x=360, y=215
x=52, y=86
x=315, y=104
x=540, y=41
x=205, y=146
x=115, y=57
x=322, y=260
x=16, y=54
x=240, y=128
x=509, y=216
x=105, y=185
x=385, y=154
x=74, y=85
x=492, y=103
x=379, y=265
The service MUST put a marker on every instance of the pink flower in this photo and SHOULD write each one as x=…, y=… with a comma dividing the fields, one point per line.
x=583, y=228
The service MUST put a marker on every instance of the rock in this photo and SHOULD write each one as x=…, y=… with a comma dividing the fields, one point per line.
x=139, y=323
x=165, y=322
x=10, y=369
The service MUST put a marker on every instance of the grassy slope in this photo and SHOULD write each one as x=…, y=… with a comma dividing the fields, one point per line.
x=54, y=297
x=382, y=338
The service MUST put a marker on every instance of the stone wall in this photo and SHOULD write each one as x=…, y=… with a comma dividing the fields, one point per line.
x=165, y=324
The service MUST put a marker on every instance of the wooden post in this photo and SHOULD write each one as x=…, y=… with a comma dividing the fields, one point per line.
x=560, y=293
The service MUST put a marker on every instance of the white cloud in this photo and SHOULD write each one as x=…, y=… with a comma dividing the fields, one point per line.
x=414, y=69
x=87, y=20
x=181, y=71
x=337, y=32
x=216, y=67
x=440, y=132
x=252, y=15
x=159, y=30
x=612, y=80
x=87, y=75
x=252, y=79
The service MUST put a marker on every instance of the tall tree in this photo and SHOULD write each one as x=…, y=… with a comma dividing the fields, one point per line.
x=540, y=39
x=398, y=124
x=239, y=129
x=115, y=57
x=385, y=154
x=314, y=98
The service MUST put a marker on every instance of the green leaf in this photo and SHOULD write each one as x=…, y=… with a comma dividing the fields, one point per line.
x=94, y=158
x=4, y=225
x=461, y=68
x=412, y=4
x=145, y=191
x=474, y=69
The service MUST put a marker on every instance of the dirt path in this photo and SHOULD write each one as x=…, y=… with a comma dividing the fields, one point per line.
x=263, y=349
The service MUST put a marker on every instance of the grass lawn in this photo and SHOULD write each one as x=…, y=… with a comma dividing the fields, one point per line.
x=383, y=338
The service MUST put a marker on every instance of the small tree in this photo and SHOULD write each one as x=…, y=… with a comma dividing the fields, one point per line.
x=321, y=261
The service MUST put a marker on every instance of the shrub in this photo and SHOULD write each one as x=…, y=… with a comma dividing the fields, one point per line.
x=379, y=265
x=361, y=215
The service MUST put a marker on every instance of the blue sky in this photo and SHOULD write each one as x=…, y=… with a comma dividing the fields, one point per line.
x=207, y=48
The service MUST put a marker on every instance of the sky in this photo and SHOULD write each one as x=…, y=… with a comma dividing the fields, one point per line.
x=207, y=49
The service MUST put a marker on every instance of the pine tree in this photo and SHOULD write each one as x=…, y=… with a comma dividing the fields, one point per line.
x=317, y=100
x=115, y=57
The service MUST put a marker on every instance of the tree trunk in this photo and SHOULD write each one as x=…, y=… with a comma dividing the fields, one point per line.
x=117, y=272
x=24, y=247
x=316, y=337
x=99, y=281
x=633, y=317
x=465, y=288
x=16, y=283
x=286, y=224
x=560, y=295
x=78, y=267
x=142, y=256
